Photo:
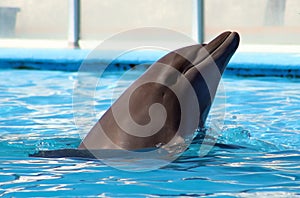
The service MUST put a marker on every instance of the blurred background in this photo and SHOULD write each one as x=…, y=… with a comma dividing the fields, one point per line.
x=258, y=21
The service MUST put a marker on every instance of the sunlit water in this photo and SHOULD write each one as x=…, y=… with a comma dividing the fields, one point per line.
x=262, y=114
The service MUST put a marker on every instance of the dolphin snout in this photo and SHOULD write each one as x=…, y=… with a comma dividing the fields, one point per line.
x=222, y=48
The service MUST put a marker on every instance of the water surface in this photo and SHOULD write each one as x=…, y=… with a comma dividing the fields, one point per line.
x=262, y=114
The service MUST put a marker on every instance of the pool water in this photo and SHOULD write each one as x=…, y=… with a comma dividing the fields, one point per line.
x=262, y=115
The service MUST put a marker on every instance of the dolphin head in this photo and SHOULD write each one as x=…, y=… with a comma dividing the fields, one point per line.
x=203, y=65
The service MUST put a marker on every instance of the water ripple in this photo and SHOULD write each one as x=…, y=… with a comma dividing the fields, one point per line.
x=262, y=117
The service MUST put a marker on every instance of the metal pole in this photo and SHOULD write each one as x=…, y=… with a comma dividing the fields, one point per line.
x=74, y=23
x=198, y=21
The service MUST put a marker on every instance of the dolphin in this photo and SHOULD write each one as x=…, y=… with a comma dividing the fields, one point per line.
x=159, y=107
x=164, y=106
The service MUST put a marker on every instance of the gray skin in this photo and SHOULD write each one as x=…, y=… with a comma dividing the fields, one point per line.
x=203, y=66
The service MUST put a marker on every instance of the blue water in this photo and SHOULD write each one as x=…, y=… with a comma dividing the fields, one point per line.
x=262, y=114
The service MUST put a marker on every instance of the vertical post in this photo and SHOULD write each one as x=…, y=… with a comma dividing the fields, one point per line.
x=275, y=11
x=198, y=21
x=74, y=23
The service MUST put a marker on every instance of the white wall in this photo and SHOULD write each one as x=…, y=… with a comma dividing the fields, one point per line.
x=102, y=18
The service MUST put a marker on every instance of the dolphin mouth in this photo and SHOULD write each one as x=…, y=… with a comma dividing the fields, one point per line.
x=219, y=49
x=214, y=45
x=223, y=53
